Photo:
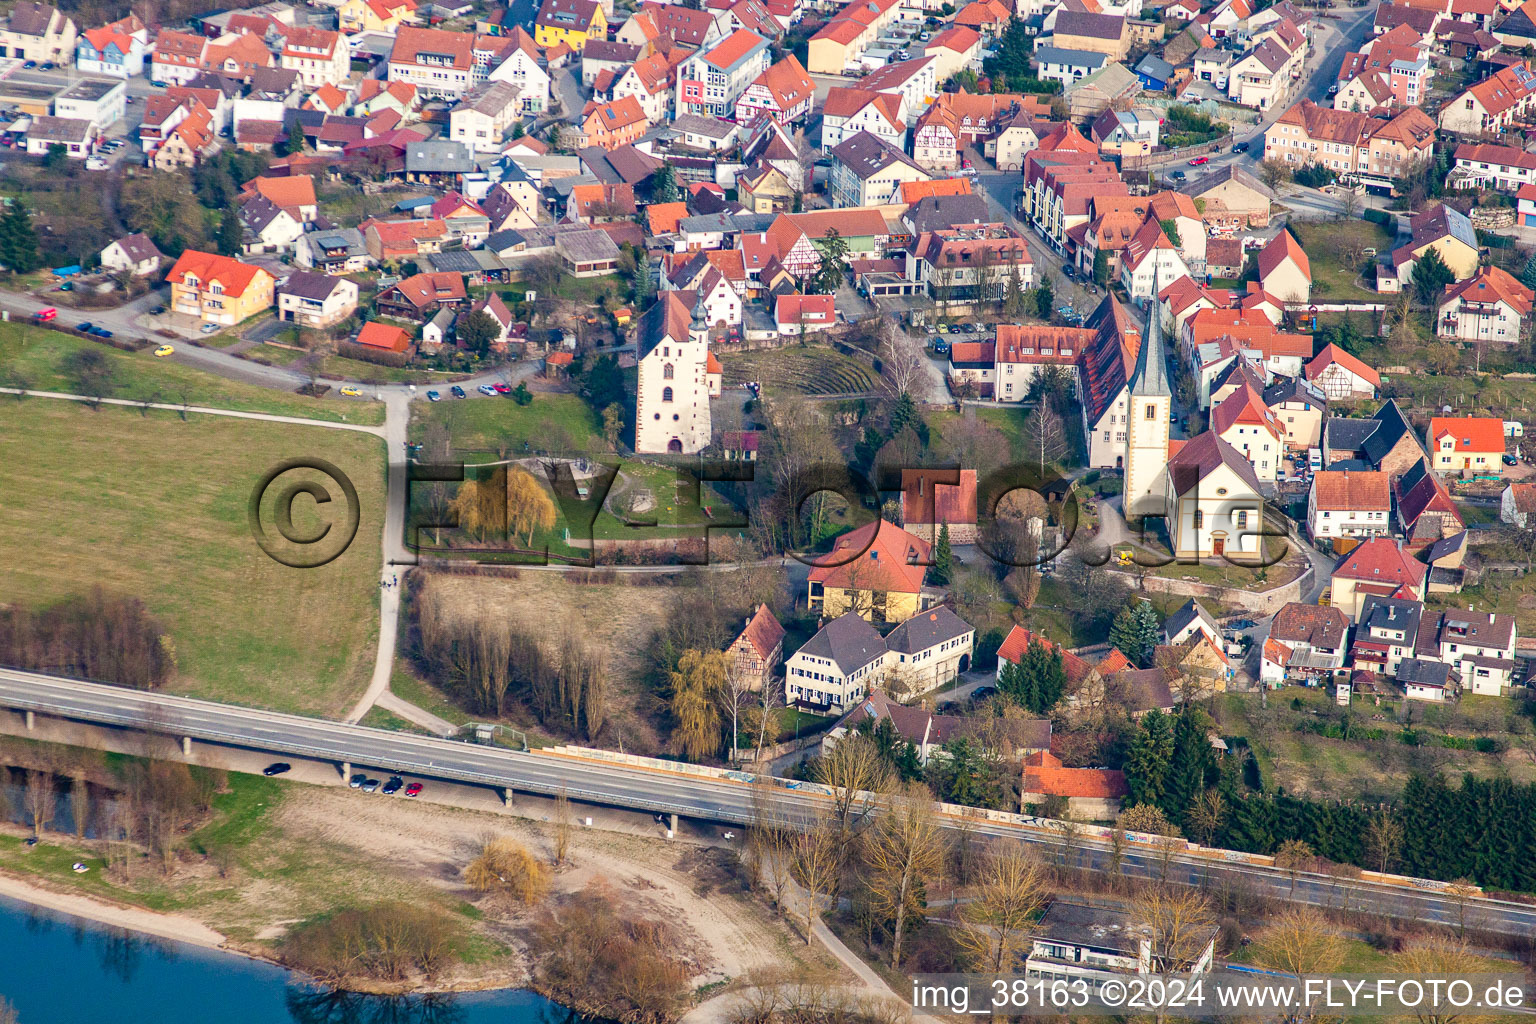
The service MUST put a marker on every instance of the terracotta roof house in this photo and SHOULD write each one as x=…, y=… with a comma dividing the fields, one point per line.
x=1284, y=270
x=1379, y=567
x=758, y=648
x=1020, y=639
x=876, y=570
x=1349, y=503
x=1091, y=794
x=1490, y=306
x=1426, y=513
x=384, y=338
x=1340, y=375
x=419, y=296
x=934, y=497
x=1467, y=445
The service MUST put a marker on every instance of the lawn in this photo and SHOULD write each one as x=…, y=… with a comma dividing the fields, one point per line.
x=551, y=422
x=808, y=370
x=155, y=507
x=1327, y=243
x=40, y=356
x=1008, y=422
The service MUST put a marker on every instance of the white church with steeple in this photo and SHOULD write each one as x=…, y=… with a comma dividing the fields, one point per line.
x=677, y=377
x=1149, y=411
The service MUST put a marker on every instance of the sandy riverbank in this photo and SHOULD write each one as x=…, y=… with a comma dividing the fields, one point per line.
x=165, y=926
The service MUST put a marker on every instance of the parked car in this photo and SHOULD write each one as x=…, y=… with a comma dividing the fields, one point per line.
x=458, y=392
x=486, y=389
x=101, y=332
x=1179, y=175
x=370, y=785
x=414, y=789
x=29, y=65
x=356, y=781
x=276, y=768
x=501, y=387
x=42, y=316
x=1333, y=90
x=84, y=327
x=157, y=310
x=208, y=329
x=394, y=785
x=1510, y=460
x=48, y=65
x=433, y=396
x=351, y=391
x=1241, y=624
x=164, y=350
x=1241, y=147
x=1197, y=161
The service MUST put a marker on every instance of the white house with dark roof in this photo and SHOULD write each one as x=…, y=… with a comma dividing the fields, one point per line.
x=135, y=253
x=837, y=666
x=869, y=171
x=315, y=300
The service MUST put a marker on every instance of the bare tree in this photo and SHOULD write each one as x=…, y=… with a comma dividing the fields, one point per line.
x=1438, y=956
x=1045, y=437
x=901, y=368
x=564, y=823
x=1206, y=816
x=39, y=800
x=769, y=700
x=1383, y=838
x=1300, y=941
x=905, y=853
x=995, y=923
x=852, y=769
x=1179, y=921
x=816, y=862
x=1292, y=857
x=770, y=843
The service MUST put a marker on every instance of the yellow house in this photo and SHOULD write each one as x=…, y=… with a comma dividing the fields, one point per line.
x=571, y=22
x=374, y=15
x=878, y=573
x=765, y=189
x=1444, y=229
x=218, y=289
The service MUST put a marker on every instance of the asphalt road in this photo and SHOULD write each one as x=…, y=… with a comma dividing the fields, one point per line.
x=661, y=789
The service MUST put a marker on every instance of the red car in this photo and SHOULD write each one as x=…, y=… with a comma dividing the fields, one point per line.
x=414, y=789
x=1197, y=161
x=502, y=388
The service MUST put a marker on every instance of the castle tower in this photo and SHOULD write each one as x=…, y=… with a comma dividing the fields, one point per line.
x=1149, y=404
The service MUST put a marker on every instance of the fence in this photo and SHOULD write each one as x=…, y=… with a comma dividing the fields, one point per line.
x=1164, y=157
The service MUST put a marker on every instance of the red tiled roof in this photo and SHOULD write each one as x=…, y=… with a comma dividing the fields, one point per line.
x=1471, y=433
x=763, y=631
x=1282, y=247
x=933, y=496
x=1044, y=774
x=1352, y=491
x=876, y=556
x=1018, y=641
x=1333, y=354
x=232, y=275
x=1490, y=284
x=383, y=336
x=1381, y=561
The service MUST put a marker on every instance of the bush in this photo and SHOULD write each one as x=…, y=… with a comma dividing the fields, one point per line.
x=386, y=942
x=97, y=637
x=1313, y=176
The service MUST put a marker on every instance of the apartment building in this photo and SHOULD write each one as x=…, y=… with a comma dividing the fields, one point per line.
x=218, y=289
x=1493, y=104
x=321, y=57
x=1349, y=143
x=709, y=82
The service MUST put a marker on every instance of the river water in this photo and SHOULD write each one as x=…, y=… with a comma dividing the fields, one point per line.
x=57, y=969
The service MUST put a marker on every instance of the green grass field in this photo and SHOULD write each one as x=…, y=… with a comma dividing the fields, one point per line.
x=481, y=424
x=40, y=356
x=154, y=507
x=1326, y=243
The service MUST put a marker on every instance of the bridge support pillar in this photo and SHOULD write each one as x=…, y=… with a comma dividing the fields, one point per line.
x=672, y=825
x=186, y=746
x=506, y=796
x=31, y=721
x=346, y=770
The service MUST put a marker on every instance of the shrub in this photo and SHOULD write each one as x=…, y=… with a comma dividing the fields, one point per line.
x=505, y=866
x=102, y=638
x=387, y=942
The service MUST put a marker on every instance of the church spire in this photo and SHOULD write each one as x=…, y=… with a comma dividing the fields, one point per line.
x=1151, y=374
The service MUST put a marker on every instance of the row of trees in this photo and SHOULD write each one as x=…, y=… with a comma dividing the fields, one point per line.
x=488, y=662
x=101, y=637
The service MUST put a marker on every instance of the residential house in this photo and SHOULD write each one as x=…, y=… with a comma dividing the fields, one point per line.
x=953, y=50
x=650, y=81
x=134, y=254
x=879, y=575
x=382, y=16
x=614, y=124
x=1445, y=229
x=928, y=732
x=569, y=23
x=1502, y=168
x=1467, y=445
x=1386, y=633
x=848, y=111
x=836, y=667
x=1284, y=270
x=587, y=252
x=795, y=314
x=1299, y=410
x=1426, y=513
x=421, y=296
x=438, y=63
x=758, y=649
x=967, y=265
x=1349, y=503
x=39, y=32
x=959, y=120
x=599, y=55
x=178, y=57
x=1386, y=441
x=1089, y=794
x=519, y=64
x=1055, y=64
x=483, y=117
x=1262, y=77
x=315, y=300
x=116, y=50
x=320, y=56
x=1489, y=306
x=218, y=289
x=1341, y=376
x=1493, y=104
x=1377, y=567
x=928, y=650
x=1243, y=421
x=332, y=251
x=1110, y=86
x=1128, y=133
x=1190, y=619
x=1479, y=647
x=1372, y=149
x=76, y=136
x=868, y=171
x=1150, y=262
x=783, y=91
x=841, y=42
x=267, y=227
x=1307, y=644
x=711, y=81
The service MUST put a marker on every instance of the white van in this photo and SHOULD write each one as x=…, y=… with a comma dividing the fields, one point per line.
x=1314, y=459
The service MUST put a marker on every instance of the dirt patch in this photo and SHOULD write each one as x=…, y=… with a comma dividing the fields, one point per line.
x=725, y=932
x=615, y=619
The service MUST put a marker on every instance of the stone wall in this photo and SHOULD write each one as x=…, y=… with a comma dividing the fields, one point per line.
x=1259, y=602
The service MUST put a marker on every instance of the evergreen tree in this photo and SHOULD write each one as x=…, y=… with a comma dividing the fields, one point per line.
x=1150, y=758
x=942, y=571
x=230, y=232
x=1136, y=632
x=1193, y=760
x=834, y=252
x=18, y=239
x=1045, y=300
x=1528, y=275
x=1148, y=630
x=1012, y=682
x=1038, y=680
x=664, y=185
x=1101, y=267
x=1430, y=276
